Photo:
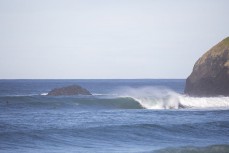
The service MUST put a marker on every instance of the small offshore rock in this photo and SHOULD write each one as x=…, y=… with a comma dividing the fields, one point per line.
x=69, y=90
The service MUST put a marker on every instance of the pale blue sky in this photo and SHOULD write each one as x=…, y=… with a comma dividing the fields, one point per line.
x=85, y=39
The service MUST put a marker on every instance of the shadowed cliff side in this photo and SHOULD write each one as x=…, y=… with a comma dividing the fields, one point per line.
x=210, y=75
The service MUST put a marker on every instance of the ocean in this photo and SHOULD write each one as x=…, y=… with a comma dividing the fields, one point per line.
x=121, y=116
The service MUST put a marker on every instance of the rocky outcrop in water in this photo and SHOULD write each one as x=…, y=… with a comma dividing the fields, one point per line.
x=69, y=90
x=210, y=75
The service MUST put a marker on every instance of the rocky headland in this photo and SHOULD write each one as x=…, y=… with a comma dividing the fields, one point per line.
x=210, y=75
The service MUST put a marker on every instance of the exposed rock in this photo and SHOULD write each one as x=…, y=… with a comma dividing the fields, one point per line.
x=69, y=90
x=210, y=75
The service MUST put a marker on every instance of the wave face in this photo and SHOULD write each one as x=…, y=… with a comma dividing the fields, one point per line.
x=73, y=102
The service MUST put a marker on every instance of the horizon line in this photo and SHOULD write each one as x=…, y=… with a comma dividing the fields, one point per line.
x=93, y=79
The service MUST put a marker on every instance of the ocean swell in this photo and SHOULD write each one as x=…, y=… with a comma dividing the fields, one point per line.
x=125, y=98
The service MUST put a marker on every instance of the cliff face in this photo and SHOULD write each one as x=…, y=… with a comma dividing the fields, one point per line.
x=210, y=75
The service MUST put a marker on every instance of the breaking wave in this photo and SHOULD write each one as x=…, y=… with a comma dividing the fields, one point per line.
x=162, y=98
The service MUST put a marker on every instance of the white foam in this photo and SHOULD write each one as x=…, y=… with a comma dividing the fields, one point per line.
x=204, y=102
x=44, y=94
x=162, y=98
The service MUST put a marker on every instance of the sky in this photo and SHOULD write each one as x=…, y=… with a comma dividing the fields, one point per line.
x=107, y=39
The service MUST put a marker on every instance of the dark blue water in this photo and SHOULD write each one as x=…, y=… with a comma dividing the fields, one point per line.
x=130, y=116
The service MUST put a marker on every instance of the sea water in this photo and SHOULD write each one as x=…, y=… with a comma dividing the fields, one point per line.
x=121, y=116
